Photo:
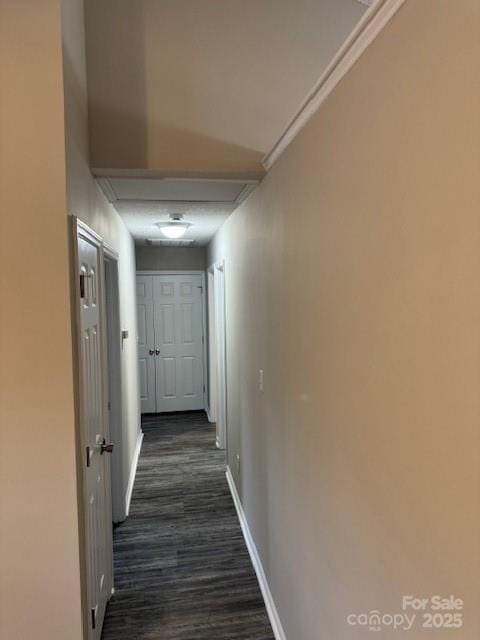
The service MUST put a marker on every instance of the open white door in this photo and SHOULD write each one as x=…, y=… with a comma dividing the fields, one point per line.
x=94, y=438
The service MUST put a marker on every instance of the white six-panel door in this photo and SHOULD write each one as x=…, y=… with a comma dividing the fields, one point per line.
x=94, y=432
x=170, y=321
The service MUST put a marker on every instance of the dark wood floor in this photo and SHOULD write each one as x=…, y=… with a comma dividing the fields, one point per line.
x=182, y=571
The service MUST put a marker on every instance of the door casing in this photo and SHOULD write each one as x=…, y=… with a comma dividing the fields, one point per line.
x=220, y=364
x=212, y=348
x=114, y=351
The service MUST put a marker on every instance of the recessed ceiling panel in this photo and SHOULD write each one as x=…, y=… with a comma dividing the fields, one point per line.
x=176, y=190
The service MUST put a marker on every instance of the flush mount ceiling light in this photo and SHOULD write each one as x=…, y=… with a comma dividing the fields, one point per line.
x=175, y=227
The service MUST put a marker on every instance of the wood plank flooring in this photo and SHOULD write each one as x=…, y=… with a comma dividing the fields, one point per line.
x=182, y=570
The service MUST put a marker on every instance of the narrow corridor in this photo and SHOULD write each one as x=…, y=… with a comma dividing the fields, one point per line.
x=182, y=570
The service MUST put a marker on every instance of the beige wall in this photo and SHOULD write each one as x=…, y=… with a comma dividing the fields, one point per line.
x=352, y=279
x=39, y=553
x=170, y=258
x=183, y=85
x=40, y=575
x=87, y=202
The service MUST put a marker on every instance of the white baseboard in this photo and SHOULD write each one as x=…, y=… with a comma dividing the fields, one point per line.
x=209, y=415
x=133, y=471
x=277, y=628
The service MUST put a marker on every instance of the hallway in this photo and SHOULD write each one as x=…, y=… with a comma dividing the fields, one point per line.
x=182, y=570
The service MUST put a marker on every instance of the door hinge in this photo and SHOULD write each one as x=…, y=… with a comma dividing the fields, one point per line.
x=93, y=613
x=203, y=339
x=203, y=388
x=88, y=456
x=109, y=406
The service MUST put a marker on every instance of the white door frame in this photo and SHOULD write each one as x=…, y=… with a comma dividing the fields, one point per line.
x=190, y=272
x=212, y=348
x=218, y=270
x=80, y=230
x=114, y=364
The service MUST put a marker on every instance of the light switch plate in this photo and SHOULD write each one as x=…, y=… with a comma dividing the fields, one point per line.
x=260, y=380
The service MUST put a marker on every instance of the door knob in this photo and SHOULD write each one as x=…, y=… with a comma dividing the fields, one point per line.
x=106, y=447
x=157, y=352
x=151, y=351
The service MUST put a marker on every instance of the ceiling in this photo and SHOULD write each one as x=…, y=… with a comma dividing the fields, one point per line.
x=200, y=88
x=205, y=203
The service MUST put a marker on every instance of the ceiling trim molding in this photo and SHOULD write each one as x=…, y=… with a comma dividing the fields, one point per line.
x=180, y=203
x=252, y=177
x=107, y=189
x=375, y=18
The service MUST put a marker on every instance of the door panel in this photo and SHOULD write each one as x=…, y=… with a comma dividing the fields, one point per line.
x=165, y=332
x=146, y=343
x=186, y=327
x=169, y=378
x=178, y=322
x=98, y=526
x=188, y=372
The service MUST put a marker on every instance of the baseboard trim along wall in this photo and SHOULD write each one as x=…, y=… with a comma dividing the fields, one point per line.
x=277, y=628
x=209, y=415
x=133, y=472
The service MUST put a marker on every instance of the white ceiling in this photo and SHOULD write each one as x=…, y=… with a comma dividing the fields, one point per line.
x=205, y=221
x=199, y=87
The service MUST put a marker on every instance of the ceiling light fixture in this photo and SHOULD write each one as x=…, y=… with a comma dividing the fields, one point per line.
x=175, y=227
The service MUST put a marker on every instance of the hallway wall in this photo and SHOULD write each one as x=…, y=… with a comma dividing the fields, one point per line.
x=86, y=200
x=352, y=279
x=39, y=552
x=170, y=258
